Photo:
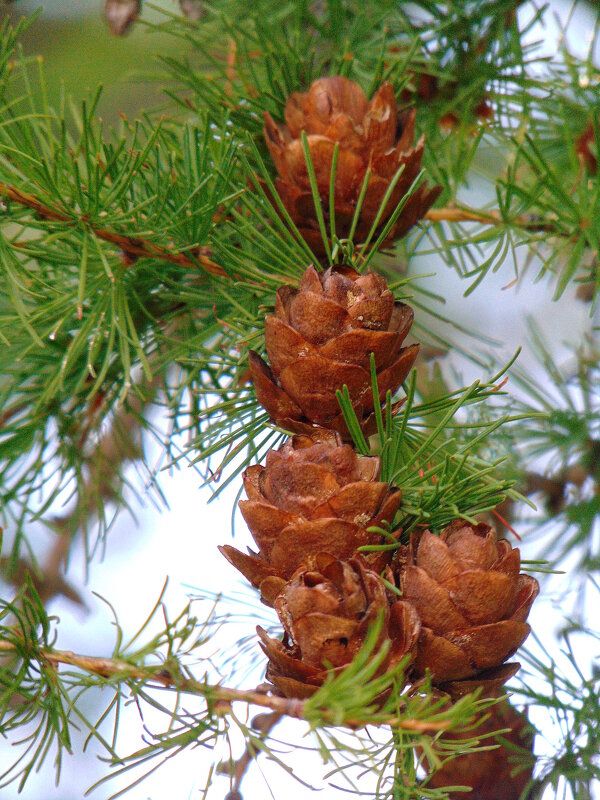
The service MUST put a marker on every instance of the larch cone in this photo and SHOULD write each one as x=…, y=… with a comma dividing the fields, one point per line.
x=369, y=136
x=473, y=604
x=326, y=610
x=314, y=494
x=320, y=338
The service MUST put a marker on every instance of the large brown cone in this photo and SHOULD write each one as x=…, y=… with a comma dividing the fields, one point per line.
x=326, y=611
x=314, y=495
x=320, y=338
x=500, y=774
x=472, y=602
x=370, y=135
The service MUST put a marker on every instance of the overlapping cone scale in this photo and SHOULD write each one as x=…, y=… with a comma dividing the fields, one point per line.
x=371, y=136
x=320, y=338
x=498, y=774
x=326, y=610
x=314, y=494
x=472, y=601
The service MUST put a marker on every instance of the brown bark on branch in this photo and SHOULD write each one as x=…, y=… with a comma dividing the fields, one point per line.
x=133, y=247
x=219, y=697
x=527, y=222
x=461, y=215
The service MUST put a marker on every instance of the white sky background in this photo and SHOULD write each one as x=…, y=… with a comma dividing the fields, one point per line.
x=181, y=544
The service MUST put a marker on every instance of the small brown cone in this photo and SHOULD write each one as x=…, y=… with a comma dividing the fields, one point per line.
x=314, y=495
x=326, y=610
x=193, y=9
x=320, y=338
x=370, y=135
x=121, y=14
x=499, y=774
x=466, y=588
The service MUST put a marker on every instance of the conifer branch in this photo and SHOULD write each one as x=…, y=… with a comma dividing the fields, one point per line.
x=133, y=247
x=218, y=697
x=79, y=333
x=527, y=222
x=137, y=247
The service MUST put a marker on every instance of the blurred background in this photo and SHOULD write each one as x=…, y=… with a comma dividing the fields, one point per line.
x=80, y=54
x=178, y=540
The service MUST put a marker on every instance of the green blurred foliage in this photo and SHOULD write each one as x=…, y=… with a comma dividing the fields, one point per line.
x=79, y=53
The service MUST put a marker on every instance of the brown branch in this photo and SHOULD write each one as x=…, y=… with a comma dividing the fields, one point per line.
x=461, y=215
x=133, y=247
x=219, y=697
x=11, y=412
x=118, y=444
x=527, y=222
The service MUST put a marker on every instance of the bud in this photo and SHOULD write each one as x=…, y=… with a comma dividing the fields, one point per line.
x=192, y=9
x=121, y=14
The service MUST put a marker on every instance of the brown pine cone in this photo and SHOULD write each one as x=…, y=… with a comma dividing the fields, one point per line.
x=326, y=610
x=371, y=135
x=472, y=602
x=314, y=494
x=500, y=774
x=320, y=338
x=427, y=87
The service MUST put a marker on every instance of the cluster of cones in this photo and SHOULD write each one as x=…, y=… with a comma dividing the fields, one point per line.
x=328, y=553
